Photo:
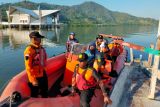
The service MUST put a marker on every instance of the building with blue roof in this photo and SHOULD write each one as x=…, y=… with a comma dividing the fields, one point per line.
x=18, y=16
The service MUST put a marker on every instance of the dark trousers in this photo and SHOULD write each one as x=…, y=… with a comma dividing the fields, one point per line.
x=42, y=88
x=86, y=97
x=114, y=58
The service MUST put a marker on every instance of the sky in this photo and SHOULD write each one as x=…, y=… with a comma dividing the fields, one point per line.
x=140, y=8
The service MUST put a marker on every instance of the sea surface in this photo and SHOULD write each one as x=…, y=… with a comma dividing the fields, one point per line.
x=13, y=43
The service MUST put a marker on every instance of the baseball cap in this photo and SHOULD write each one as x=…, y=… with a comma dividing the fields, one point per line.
x=35, y=34
x=82, y=57
x=99, y=37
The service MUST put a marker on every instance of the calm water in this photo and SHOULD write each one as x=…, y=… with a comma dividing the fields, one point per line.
x=13, y=43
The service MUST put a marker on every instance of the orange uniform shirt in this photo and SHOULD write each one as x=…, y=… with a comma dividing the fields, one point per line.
x=35, y=61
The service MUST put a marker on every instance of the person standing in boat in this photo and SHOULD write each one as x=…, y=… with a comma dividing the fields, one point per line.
x=35, y=63
x=99, y=41
x=86, y=79
x=71, y=40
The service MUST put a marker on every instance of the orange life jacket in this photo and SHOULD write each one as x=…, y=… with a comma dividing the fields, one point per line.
x=105, y=68
x=84, y=78
x=35, y=61
x=115, y=50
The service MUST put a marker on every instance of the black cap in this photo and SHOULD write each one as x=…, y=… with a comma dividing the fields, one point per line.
x=99, y=37
x=82, y=57
x=35, y=34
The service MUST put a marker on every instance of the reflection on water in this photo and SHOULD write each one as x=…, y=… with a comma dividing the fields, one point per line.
x=15, y=38
x=84, y=34
x=13, y=43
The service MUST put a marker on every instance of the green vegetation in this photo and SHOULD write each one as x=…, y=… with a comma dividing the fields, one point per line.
x=86, y=14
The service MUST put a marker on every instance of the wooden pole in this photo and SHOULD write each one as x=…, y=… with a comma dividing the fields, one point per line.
x=40, y=17
x=158, y=76
x=20, y=27
x=150, y=56
x=158, y=35
x=155, y=68
x=131, y=55
x=29, y=21
x=56, y=21
x=9, y=20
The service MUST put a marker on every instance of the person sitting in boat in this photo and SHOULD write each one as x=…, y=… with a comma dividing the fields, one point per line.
x=86, y=79
x=103, y=55
x=103, y=61
x=99, y=40
x=114, y=51
x=91, y=52
x=104, y=50
x=71, y=40
x=104, y=66
x=35, y=63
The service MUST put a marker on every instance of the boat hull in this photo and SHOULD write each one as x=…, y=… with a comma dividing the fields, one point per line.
x=55, y=68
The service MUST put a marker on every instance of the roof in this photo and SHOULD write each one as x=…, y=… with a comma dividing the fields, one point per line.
x=33, y=13
x=27, y=11
x=46, y=12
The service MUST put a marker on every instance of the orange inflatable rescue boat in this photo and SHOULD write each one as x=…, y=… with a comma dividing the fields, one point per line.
x=59, y=71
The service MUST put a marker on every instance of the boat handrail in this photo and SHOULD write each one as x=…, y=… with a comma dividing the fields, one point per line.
x=77, y=48
x=119, y=40
x=4, y=85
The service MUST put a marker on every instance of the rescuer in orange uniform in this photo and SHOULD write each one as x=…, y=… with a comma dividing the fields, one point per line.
x=86, y=79
x=35, y=63
x=103, y=61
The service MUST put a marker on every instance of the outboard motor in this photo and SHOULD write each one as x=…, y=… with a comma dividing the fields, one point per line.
x=16, y=97
x=12, y=101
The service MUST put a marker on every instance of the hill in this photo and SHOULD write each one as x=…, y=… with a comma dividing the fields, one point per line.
x=85, y=13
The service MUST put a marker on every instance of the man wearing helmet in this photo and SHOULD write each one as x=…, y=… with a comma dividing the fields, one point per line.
x=71, y=40
x=86, y=79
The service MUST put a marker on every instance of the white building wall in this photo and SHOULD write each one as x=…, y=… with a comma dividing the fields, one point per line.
x=18, y=17
x=15, y=19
